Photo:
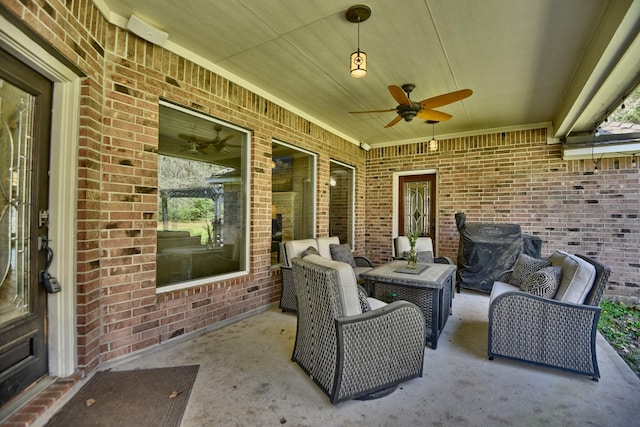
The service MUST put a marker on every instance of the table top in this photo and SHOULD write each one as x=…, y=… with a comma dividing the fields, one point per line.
x=434, y=276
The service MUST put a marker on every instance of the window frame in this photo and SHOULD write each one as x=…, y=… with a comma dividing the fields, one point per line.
x=246, y=185
x=352, y=231
x=314, y=186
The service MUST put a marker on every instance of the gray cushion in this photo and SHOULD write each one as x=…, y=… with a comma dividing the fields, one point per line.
x=402, y=245
x=347, y=284
x=342, y=253
x=577, y=277
x=421, y=256
x=311, y=250
x=294, y=248
x=324, y=243
x=375, y=303
x=525, y=265
x=544, y=282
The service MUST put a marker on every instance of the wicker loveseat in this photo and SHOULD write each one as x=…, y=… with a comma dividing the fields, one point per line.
x=558, y=332
x=349, y=353
x=296, y=248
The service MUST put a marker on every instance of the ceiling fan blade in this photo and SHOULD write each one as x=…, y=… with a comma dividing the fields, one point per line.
x=447, y=98
x=193, y=138
x=399, y=95
x=393, y=122
x=436, y=116
x=372, y=111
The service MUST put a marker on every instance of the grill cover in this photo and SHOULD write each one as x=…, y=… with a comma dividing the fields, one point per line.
x=486, y=250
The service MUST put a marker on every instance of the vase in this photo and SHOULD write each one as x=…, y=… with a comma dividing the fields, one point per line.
x=412, y=258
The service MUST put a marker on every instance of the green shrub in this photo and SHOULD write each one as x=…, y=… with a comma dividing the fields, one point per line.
x=620, y=325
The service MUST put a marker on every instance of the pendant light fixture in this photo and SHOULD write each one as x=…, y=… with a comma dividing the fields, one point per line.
x=357, y=14
x=433, y=144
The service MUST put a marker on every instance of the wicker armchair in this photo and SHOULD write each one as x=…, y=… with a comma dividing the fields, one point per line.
x=423, y=245
x=357, y=356
x=295, y=248
x=548, y=332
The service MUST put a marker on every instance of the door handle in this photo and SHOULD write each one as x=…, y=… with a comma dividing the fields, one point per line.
x=50, y=283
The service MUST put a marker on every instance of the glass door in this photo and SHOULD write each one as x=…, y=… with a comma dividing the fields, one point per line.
x=25, y=109
x=416, y=209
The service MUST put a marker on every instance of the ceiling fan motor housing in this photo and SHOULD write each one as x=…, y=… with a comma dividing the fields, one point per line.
x=408, y=112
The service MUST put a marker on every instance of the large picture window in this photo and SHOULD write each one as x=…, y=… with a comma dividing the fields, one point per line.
x=341, y=201
x=293, y=196
x=202, y=198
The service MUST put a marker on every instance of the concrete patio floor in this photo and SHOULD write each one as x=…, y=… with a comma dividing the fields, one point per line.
x=246, y=378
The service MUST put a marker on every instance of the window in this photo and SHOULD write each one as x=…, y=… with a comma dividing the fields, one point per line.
x=293, y=196
x=341, y=205
x=202, y=198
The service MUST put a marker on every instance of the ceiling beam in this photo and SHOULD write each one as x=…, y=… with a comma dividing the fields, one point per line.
x=608, y=62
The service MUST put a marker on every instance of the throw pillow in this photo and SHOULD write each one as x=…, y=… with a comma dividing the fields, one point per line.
x=525, y=265
x=364, y=302
x=342, y=253
x=421, y=256
x=310, y=251
x=544, y=282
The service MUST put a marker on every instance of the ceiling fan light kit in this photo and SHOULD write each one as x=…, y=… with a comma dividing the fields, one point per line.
x=358, y=63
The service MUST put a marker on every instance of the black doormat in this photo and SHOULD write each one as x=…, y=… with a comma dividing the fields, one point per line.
x=146, y=397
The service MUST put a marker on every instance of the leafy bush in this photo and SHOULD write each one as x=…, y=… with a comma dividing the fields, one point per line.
x=620, y=325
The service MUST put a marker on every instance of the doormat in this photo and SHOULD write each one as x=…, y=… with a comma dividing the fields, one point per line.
x=145, y=397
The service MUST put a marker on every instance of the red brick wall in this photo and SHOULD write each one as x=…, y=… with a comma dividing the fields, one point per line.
x=118, y=309
x=517, y=177
x=513, y=177
x=137, y=76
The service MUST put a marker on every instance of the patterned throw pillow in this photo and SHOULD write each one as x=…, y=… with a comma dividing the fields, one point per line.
x=421, y=256
x=342, y=253
x=525, y=265
x=544, y=282
x=364, y=302
x=310, y=251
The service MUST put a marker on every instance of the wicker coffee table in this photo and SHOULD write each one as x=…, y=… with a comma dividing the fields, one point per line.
x=431, y=289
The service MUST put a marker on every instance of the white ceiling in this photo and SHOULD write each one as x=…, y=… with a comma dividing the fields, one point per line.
x=560, y=63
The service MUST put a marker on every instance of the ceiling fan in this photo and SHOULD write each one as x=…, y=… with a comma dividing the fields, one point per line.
x=194, y=144
x=219, y=144
x=197, y=145
x=408, y=109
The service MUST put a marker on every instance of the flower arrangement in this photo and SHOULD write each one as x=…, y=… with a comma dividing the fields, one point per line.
x=412, y=259
x=413, y=238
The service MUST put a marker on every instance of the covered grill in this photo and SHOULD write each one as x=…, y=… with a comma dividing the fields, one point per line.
x=485, y=250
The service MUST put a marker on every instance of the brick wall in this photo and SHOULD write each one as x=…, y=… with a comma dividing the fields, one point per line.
x=137, y=76
x=118, y=311
x=517, y=177
x=505, y=177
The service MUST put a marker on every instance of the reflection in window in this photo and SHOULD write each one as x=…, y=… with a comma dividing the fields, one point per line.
x=341, y=206
x=202, y=197
x=293, y=196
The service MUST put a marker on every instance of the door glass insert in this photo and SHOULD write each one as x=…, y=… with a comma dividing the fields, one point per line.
x=416, y=205
x=16, y=131
x=416, y=201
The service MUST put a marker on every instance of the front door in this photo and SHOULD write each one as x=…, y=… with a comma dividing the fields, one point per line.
x=417, y=205
x=25, y=116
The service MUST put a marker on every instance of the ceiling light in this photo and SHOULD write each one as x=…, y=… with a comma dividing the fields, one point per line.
x=433, y=144
x=358, y=64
